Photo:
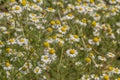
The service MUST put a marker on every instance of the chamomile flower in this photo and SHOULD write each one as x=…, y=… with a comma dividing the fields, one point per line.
x=22, y=41
x=32, y=15
x=23, y=2
x=16, y=9
x=7, y=66
x=34, y=19
x=105, y=77
x=28, y=65
x=37, y=70
x=36, y=7
x=24, y=70
x=74, y=38
x=83, y=22
x=63, y=29
x=88, y=60
x=1, y=44
x=45, y=59
x=38, y=1
x=94, y=41
x=50, y=9
x=69, y=16
x=110, y=55
x=102, y=58
x=11, y=41
x=116, y=70
x=112, y=1
x=80, y=9
x=71, y=52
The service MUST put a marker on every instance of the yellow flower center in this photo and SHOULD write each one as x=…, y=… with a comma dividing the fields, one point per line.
x=96, y=15
x=88, y=60
x=84, y=20
x=93, y=23
x=1, y=43
x=70, y=15
x=49, y=29
x=91, y=1
x=106, y=77
x=24, y=68
x=52, y=22
x=37, y=69
x=110, y=68
x=17, y=8
x=7, y=64
x=63, y=29
x=11, y=40
x=38, y=0
x=80, y=8
x=46, y=44
x=51, y=51
x=34, y=18
x=23, y=2
x=22, y=40
x=72, y=51
x=8, y=50
x=50, y=9
x=96, y=39
x=12, y=0
x=46, y=57
x=76, y=36
x=58, y=22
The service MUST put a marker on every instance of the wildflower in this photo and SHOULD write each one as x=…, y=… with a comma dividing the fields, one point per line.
x=95, y=40
x=1, y=44
x=16, y=9
x=63, y=29
x=74, y=38
x=38, y=1
x=46, y=44
x=37, y=70
x=7, y=66
x=22, y=41
x=35, y=19
x=23, y=2
x=116, y=70
x=88, y=60
x=49, y=29
x=24, y=70
x=28, y=65
x=102, y=58
x=69, y=16
x=72, y=52
x=36, y=7
x=111, y=55
x=50, y=9
x=106, y=77
x=51, y=51
x=11, y=41
x=45, y=59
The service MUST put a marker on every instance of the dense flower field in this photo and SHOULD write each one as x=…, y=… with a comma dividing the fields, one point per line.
x=60, y=40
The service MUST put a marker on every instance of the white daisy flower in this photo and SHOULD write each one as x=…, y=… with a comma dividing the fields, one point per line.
x=111, y=55
x=45, y=59
x=7, y=66
x=72, y=52
x=24, y=70
x=22, y=41
x=37, y=70
x=16, y=9
x=50, y=9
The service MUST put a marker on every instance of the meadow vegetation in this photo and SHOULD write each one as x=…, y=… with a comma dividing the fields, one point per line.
x=59, y=39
